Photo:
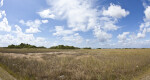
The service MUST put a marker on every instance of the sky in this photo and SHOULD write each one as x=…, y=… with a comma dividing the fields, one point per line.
x=80, y=23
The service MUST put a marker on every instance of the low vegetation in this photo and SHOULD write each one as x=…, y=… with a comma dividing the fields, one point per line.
x=64, y=47
x=23, y=45
x=78, y=64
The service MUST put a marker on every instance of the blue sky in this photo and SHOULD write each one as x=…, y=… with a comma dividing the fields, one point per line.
x=81, y=23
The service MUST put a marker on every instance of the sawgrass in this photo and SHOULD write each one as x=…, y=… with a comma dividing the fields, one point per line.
x=81, y=64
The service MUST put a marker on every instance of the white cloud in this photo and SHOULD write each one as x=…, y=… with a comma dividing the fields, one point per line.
x=33, y=25
x=32, y=30
x=67, y=35
x=18, y=29
x=109, y=26
x=22, y=22
x=79, y=14
x=83, y=16
x=4, y=26
x=123, y=37
x=46, y=14
x=101, y=35
x=115, y=11
x=73, y=38
x=147, y=13
x=142, y=34
x=145, y=26
x=44, y=21
x=61, y=32
x=148, y=29
x=17, y=37
x=1, y=3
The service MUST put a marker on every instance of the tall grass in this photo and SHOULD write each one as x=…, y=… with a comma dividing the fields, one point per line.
x=107, y=64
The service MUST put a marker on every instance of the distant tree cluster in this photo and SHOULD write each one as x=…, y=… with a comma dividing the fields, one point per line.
x=99, y=48
x=23, y=45
x=87, y=48
x=63, y=47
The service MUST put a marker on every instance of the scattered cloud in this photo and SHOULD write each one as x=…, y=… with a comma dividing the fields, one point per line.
x=136, y=40
x=110, y=26
x=80, y=15
x=145, y=26
x=4, y=26
x=142, y=34
x=101, y=35
x=147, y=13
x=73, y=38
x=46, y=14
x=123, y=37
x=44, y=21
x=1, y=3
x=67, y=35
x=83, y=16
x=33, y=25
x=115, y=11
x=17, y=37
x=148, y=29
x=61, y=32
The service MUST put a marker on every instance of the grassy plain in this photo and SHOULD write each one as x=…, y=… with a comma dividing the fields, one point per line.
x=78, y=64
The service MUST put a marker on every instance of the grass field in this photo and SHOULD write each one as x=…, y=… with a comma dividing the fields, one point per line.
x=78, y=64
x=4, y=75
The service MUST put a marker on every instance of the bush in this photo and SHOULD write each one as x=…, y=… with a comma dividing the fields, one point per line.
x=87, y=48
x=22, y=45
x=63, y=47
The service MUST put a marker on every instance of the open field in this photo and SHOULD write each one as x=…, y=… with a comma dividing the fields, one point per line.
x=4, y=75
x=78, y=64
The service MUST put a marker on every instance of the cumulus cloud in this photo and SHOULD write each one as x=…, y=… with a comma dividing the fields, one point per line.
x=82, y=15
x=101, y=35
x=110, y=26
x=17, y=37
x=2, y=14
x=136, y=40
x=73, y=38
x=115, y=11
x=67, y=35
x=33, y=25
x=44, y=21
x=79, y=14
x=147, y=13
x=1, y=3
x=123, y=37
x=145, y=26
x=4, y=26
x=46, y=14
x=148, y=29
x=142, y=34
x=61, y=32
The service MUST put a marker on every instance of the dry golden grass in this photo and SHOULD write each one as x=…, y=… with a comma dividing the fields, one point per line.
x=4, y=75
x=102, y=64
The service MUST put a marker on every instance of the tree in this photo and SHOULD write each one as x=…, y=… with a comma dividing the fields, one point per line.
x=63, y=47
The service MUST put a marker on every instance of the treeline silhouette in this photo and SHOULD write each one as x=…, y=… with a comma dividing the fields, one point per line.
x=23, y=45
x=63, y=47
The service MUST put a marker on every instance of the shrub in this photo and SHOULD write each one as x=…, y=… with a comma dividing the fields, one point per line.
x=22, y=45
x=63, y=47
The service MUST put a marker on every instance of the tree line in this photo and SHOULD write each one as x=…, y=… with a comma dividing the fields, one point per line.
x=23, y=45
